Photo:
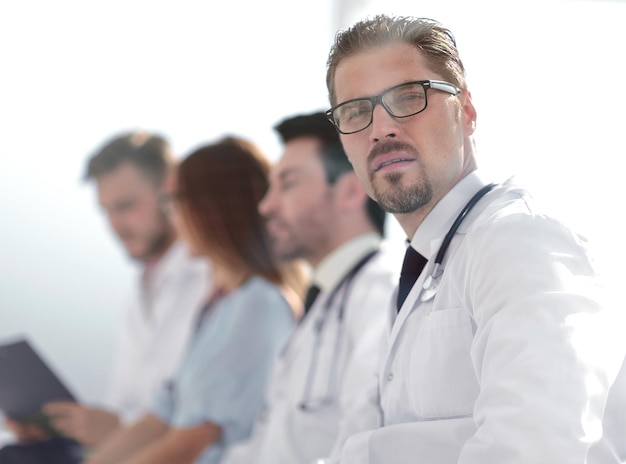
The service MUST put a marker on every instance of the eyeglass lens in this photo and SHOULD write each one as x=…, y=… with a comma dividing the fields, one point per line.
x=402, y=101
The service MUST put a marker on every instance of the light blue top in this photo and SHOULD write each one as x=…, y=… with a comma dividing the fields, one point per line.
x=223, y=376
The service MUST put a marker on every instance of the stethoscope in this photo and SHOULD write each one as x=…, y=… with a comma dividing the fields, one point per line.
x=429, y=289
x=308, y=404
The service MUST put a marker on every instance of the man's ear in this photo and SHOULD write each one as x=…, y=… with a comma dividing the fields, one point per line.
x=349, y=192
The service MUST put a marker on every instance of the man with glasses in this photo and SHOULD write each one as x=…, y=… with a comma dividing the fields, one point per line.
x=323, y=387
x=503, y=347
x=131, y=175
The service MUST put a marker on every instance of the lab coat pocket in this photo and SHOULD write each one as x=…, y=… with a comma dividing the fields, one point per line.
x=441, y=367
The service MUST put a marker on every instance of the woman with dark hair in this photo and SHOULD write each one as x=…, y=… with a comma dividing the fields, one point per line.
x=218, y=392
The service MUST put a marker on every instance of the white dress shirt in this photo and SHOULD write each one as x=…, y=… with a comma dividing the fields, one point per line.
x=287, y=434
x=512, y=358
x=156, y=329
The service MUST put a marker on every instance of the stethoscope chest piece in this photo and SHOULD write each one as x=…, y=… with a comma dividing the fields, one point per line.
x=429, y=289
x=431, y=283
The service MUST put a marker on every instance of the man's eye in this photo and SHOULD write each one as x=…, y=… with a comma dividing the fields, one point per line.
x=124, y=206
x=287, y=184
x=408, y=97
x=356, y=112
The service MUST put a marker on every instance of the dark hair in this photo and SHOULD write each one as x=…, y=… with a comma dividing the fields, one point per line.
x=219, y=188
x=332, y=154
x=149, y=152
x=436, y=44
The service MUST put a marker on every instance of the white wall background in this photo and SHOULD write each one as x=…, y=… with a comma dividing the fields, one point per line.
x=547, y=79
x=75, y=72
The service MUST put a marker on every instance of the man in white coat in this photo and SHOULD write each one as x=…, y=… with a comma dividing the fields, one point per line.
x=317, y=210
x=503, y=349
x=131, y=172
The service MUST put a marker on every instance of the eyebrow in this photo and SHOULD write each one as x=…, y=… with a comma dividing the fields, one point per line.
x=289, y=171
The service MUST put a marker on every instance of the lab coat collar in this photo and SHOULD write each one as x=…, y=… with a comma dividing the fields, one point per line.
x=337, y=263
x=436, y=224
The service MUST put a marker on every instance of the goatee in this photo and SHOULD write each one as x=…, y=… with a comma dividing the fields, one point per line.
x=402, y=199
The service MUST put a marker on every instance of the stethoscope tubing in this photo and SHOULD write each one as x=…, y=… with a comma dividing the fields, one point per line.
x=441, y=253
x=346, y=283
x=459, y=219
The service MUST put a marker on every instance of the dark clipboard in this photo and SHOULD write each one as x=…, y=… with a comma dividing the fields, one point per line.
x=27, y=382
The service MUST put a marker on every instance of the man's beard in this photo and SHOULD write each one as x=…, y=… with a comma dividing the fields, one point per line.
x=402, y=199
x=155, y=245
x=292, y=251
x=399, y=199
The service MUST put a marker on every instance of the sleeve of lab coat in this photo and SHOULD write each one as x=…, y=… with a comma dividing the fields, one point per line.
x=545, y=350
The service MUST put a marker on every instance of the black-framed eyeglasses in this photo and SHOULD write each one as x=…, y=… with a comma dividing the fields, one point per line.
x=400, y=101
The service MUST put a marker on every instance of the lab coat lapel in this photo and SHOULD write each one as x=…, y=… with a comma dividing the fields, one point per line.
x=412, y=300
x=302, y=338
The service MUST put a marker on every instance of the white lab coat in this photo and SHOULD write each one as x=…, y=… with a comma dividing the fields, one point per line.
x=512, y=359
x=285, y=434
x=152, y=338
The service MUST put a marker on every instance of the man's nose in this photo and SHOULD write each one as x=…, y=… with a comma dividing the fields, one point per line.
x=384, y=125
x=267, y=203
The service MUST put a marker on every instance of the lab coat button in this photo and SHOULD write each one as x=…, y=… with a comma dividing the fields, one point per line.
x=390, y=377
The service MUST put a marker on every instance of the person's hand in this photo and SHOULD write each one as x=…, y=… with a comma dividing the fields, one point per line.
x=25, y=431
x=88, y=426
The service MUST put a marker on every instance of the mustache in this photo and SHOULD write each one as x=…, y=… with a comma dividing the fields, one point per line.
x=386, y=146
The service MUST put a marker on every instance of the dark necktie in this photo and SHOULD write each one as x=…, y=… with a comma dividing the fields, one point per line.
x=310, y=297
x=411, y=269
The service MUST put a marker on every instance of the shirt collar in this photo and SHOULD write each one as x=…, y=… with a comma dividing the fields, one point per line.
x=335, y=265
x=439, y=220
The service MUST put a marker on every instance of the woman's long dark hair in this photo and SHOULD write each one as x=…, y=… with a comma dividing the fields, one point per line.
x=219, y=189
